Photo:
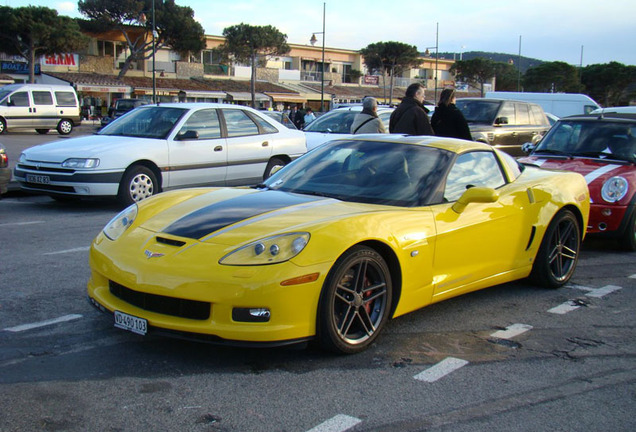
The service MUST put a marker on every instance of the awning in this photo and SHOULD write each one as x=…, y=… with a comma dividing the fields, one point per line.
x=206, y=94
x=102, y=88
x=246, y=96
x=287, y=97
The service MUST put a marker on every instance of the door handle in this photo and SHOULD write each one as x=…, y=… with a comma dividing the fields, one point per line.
x=218, y=148
x=265, y=143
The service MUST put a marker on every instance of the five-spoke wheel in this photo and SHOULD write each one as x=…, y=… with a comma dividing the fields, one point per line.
x=355, y=302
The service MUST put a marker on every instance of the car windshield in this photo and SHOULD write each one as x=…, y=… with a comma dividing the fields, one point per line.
x=478, y=111
x=595, y=139
x=146, y=122
x=333, y=122
x=385, y=173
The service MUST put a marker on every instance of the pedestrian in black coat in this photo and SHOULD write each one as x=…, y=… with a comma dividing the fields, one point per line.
x=411, y=117
x=447, y=120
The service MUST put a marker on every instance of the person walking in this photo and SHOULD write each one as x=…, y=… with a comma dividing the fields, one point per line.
x=367, y=120
x=309, y=116
x=411, y=117
x=448, y=120
x=296, y=117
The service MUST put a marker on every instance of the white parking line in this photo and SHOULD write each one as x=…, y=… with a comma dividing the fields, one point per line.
x=512, y=331
x=600, y=292
x=441, y=369
x=20, y=223
x=339, y=423
x=564, y=308
x=633, y=276
x=24, y=327
x=79, y=249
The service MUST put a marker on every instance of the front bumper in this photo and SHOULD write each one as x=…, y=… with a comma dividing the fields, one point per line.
x=609, y=220
x=190, y=275
x=68, y=181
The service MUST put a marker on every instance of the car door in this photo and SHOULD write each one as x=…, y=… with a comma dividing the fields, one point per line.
x=197, y=152
x=525, y=128
x=44, y=113
x=485, y=238
x=505, y=128
x=19, y=110
x=248, y=146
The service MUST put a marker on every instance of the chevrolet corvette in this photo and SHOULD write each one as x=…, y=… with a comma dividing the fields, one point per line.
x=333, y=245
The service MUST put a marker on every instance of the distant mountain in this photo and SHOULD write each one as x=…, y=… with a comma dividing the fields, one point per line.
x=526, y=62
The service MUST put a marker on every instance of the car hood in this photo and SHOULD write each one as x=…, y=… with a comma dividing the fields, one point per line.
x=89, y=146
x=233, y=215
x=595, y=171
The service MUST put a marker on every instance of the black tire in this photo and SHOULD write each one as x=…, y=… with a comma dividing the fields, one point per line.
x=65, y=127
x=559, y=251
x=355, y=301
x=3, y=126
x=273, y=163
x=42, y=131
x=138, y=183
x=628, y=239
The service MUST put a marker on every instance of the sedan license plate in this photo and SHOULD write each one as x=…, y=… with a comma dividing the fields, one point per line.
x=39, y=179
x=131, y=323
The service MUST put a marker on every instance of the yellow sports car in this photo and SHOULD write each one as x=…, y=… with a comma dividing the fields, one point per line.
x=333, y=245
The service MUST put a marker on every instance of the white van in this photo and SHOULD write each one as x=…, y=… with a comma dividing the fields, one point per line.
x=39, y=106
x=559, y=104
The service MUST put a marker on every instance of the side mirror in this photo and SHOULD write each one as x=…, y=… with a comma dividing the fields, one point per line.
x=501, y=121
x=188, y=135
x=528, y=148
x=475, y=195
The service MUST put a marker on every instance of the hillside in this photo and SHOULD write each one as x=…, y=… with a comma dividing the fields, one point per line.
x=526, y=62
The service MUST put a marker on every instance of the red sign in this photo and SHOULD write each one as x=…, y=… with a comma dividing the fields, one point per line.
x=372, y=79
x=61, y=60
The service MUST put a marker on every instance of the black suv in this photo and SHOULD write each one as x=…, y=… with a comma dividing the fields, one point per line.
x=504, y=124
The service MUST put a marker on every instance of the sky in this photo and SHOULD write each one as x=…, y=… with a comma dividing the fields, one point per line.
x=573, y=31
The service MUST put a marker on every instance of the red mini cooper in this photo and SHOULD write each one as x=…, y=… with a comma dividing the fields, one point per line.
x=603, y=149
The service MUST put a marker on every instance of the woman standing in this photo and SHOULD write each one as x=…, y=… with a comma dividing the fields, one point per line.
x=447, y=120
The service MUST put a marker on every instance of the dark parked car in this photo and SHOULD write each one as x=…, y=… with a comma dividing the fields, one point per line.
x=122, y=106
x=504, y=124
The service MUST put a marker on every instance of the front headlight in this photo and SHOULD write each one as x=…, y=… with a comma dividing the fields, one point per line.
x=80, y=163
x=614, y=189
x=120, y=223
x=271, y=250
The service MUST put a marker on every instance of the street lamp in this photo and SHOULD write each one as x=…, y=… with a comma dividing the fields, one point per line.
x=313, y=41
x=427, y=53
x=154, y=36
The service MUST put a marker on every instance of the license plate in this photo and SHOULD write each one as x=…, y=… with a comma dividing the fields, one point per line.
x=40, y=179
x=131, y=323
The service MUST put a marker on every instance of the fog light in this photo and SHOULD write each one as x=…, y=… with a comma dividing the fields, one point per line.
x=606, y=212
x=251, y=314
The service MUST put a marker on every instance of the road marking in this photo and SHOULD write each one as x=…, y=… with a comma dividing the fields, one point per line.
x=441, y=369
x=633, y=276
x=600, y=292
x=339, y=423
x=512, y=331
x=564, y=308
x=20, y=223
x=79, y=249
x=24, y=327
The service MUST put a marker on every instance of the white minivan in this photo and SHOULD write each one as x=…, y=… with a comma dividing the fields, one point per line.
x=39, y=106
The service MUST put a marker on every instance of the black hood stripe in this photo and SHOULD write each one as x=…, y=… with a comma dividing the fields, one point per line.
x=219, y=215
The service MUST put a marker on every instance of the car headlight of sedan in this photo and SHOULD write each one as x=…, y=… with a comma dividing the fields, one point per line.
x=271, y=250
x=80, y=163
x=614, y=189
x=120, y=223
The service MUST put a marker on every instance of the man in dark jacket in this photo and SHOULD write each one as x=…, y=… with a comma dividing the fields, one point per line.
x=411, y=117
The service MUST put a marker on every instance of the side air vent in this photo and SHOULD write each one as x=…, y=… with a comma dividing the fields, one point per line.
x=171, y=242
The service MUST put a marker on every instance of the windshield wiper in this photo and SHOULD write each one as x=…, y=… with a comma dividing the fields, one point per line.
x=315, y=193
x=260, y=186
x=550, y=151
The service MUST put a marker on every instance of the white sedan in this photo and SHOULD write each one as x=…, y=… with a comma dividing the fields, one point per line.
x=337, y=124
x=160, y=147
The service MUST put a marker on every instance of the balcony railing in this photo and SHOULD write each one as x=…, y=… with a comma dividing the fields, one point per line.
x=161, y=66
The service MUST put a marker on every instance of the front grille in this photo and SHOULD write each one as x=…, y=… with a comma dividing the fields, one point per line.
x=191, y=309
x=46, y=169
